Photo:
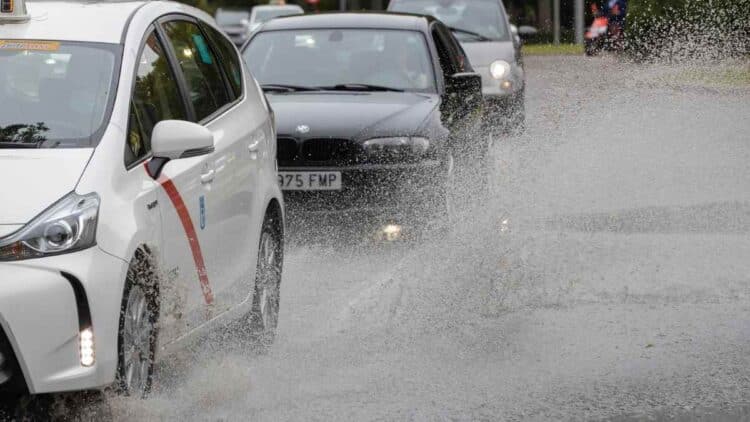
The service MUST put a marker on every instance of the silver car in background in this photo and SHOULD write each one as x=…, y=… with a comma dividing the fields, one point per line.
x=493, y=47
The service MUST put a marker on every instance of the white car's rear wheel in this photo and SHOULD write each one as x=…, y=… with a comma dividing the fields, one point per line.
x=264, y=317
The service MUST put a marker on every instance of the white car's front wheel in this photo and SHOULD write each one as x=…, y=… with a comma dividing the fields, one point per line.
x=137, y=334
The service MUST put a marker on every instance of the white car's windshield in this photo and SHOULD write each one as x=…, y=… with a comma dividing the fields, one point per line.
x=54, y=94
x=326, y=57
x=482, y=17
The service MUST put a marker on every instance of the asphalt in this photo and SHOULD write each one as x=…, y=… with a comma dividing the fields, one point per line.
x=603, y=276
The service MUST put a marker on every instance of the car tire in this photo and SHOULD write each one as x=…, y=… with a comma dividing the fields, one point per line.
x=136, y=345
x=264, y=315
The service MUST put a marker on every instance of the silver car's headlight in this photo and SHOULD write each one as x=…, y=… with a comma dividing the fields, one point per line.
x=398, y=145
x=68, y=225
x=500, y=69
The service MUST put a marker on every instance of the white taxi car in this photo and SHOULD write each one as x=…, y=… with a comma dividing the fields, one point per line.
x=139, y=204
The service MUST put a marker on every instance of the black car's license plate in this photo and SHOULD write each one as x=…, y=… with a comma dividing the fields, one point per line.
x=310, y=180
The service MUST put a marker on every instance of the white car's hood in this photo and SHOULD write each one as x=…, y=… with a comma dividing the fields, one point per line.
x=32, y=180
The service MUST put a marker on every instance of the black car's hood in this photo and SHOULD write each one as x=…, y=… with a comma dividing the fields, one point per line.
x=353, y=115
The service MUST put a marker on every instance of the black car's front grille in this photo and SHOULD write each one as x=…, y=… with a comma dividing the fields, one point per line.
x=318, y=151
x=287, y=149
x=330, y=150
x=11, y=377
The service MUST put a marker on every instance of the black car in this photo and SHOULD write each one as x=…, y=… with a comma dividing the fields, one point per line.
x=372, y=110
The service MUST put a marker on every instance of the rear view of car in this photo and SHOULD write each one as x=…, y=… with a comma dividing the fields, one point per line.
x=263, y=14
x=235, y=23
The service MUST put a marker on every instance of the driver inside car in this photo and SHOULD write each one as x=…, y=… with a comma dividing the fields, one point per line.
x=405, y=72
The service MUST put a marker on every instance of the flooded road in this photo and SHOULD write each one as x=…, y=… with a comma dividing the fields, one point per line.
x=605, y=276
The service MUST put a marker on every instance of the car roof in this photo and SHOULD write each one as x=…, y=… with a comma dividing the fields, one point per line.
x=401, y=21
x=87, y=21
x=278, y=7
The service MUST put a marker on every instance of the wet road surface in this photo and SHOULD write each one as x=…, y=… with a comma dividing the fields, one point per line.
x=605, y=276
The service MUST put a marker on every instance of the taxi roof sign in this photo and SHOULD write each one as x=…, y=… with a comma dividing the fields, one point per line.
x=13, y=11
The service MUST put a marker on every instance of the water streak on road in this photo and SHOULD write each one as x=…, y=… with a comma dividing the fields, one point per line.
x=618, y=288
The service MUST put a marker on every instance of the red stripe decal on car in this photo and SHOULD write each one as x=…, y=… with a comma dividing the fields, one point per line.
x=192, y=236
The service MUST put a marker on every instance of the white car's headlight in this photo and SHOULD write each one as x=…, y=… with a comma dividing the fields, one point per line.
x=500, y=69
x=68, y=225
x=398, y=145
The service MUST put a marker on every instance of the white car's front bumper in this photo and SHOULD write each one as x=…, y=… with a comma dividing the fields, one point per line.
x=44, y=303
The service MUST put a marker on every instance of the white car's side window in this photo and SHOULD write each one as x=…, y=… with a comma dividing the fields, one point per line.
x=203, y=76
x=156, y=97
x=230, y=60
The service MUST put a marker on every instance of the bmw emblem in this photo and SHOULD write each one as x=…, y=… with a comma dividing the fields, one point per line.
x=303, y=129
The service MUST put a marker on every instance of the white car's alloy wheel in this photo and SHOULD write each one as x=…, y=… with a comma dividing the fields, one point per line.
x=136, y=343
x=138, y=330
x=265, y=311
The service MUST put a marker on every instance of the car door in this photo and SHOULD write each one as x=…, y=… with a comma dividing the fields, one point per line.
x=157, y=96
x=457, y=107
x=214, y=95
x=449, y=104
x=248, y=137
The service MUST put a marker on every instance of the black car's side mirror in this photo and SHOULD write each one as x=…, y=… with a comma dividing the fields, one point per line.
x=463, y=96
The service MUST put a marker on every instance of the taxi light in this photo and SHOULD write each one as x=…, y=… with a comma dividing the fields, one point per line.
x=13, y=11
x=86, y=342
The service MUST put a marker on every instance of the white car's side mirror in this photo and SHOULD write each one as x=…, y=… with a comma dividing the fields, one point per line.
x=175, y=139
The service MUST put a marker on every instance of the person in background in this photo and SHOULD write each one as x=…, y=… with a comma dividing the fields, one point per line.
x=596, y=11
x=616, y=12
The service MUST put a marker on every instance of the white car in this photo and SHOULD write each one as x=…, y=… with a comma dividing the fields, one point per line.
x=140, y=204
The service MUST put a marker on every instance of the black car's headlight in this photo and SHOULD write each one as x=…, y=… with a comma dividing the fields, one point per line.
x=398, y=146
x=68, y=225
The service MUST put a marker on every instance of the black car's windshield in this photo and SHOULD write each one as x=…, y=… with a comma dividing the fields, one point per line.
x=314, y=58
x=483, y=17
x=54, y=94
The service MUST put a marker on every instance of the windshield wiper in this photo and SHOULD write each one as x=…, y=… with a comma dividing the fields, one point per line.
x=287, y=88
x=476, y=35
x=360, y=87
x=20, y=145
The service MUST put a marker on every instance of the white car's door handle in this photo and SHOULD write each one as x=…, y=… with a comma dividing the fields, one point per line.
x=208, y=176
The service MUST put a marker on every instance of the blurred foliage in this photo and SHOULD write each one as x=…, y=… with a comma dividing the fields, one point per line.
x=552, y=50
x=679, y=30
